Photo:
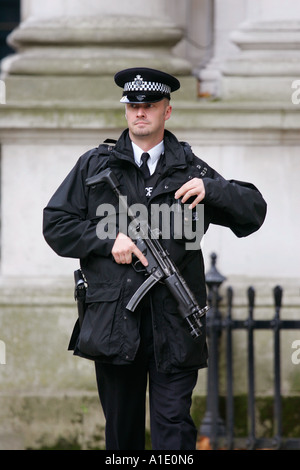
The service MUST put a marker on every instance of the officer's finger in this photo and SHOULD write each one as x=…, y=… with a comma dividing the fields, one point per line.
x=192, y=184
x=195, y=187
x=196, y=201
x=140, y=255
x=182, y=190
x=191, y=192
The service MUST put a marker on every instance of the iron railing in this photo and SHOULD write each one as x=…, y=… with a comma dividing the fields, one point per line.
x=221, y=431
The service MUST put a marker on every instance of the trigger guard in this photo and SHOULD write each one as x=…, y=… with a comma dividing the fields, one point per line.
x=136, y=263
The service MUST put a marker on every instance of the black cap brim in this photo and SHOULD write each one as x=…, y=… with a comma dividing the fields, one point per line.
x=135, y=98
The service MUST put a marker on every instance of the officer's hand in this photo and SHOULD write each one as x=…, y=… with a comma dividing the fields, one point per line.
x=194, y=187
x=124, y=248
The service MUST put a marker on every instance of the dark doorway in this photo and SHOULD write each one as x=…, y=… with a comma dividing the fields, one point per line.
x=10, y=17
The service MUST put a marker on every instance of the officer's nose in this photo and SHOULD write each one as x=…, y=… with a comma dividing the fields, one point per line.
x=140, y=111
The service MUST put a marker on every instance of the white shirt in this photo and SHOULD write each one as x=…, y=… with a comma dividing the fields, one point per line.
x=154, y=153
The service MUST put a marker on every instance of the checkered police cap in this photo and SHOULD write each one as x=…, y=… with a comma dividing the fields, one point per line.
x=144, y=85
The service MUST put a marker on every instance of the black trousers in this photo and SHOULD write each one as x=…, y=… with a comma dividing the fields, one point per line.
x=122, y=392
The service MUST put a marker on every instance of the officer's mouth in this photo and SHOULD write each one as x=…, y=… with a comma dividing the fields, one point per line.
x=137, y=123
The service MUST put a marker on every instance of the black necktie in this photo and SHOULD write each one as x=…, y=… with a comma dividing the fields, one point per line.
x=144, y=167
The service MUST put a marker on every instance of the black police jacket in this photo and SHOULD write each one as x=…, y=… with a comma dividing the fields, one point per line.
x=110, y=332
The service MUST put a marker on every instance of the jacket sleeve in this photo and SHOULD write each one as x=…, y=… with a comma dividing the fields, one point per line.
x=65, y=225
x=234, y=204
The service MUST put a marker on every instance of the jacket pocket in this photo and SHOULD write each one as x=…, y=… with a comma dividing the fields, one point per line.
x=186, y=352
x=100, y=335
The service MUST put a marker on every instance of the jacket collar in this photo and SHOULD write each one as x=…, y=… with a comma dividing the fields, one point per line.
x=174, y=154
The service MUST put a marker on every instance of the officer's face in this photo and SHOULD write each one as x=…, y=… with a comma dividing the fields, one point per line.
x=147, y=119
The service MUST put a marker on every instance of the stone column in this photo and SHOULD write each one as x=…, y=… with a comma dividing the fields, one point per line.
x=227, y=15
x=256, y=51
x=267, y=64
x=61, y=58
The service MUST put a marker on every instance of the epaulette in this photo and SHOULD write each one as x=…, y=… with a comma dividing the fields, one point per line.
x=106, y=147
x=187, y=150
x=110, y=141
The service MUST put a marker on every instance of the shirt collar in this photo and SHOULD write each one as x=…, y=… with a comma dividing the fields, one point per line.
x=154, y=153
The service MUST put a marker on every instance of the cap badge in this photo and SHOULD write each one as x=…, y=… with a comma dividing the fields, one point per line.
x=138, y=81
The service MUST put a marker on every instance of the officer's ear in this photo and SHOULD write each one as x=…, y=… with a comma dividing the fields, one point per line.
x=168, y=112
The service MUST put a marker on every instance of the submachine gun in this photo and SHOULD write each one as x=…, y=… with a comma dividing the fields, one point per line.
x=160, y=266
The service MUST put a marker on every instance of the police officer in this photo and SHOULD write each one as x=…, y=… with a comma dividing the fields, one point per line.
x=151, y=346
